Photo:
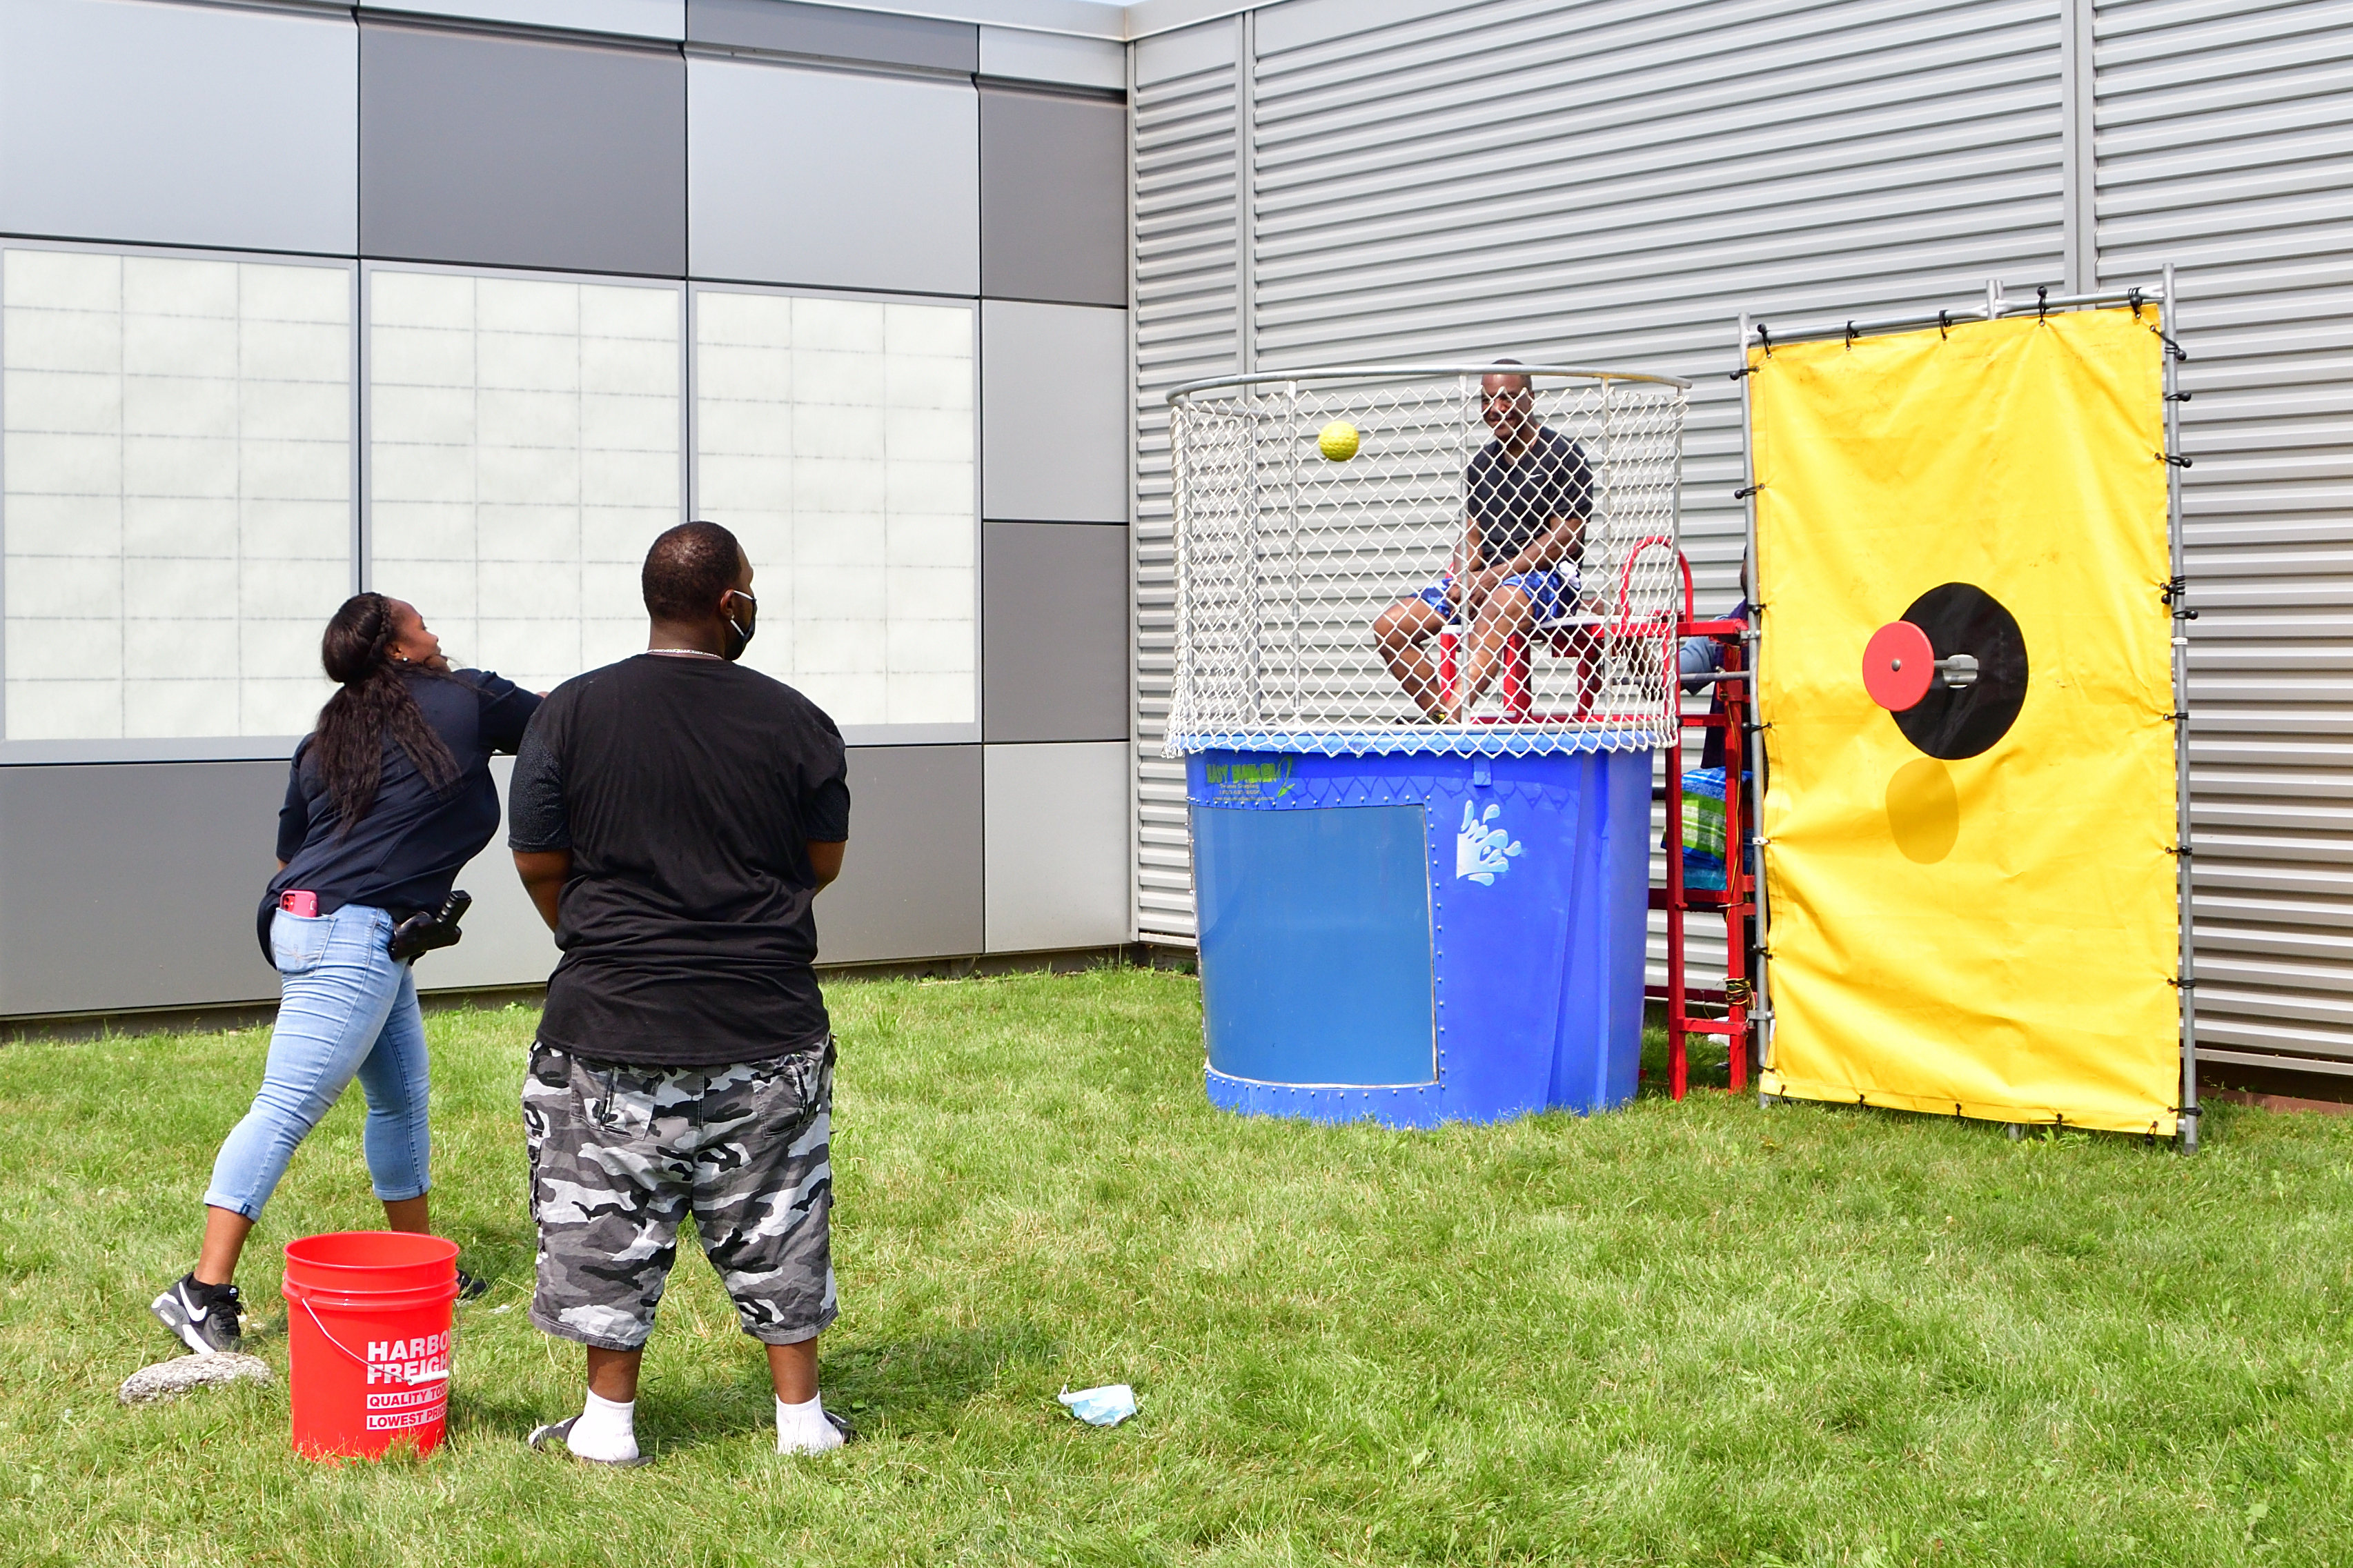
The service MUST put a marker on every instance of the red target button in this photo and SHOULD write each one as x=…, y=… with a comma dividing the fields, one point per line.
x=1897, y=665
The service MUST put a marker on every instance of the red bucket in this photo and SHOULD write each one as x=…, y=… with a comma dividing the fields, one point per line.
x=367, y=1338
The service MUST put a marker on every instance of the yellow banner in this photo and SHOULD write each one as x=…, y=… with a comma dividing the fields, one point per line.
x=1973, y=903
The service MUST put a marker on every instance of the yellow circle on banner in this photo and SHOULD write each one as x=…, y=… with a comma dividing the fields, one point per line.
x=1338, y=441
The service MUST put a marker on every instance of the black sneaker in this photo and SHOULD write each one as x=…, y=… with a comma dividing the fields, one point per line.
x=469, y=1288
x=204, y=1317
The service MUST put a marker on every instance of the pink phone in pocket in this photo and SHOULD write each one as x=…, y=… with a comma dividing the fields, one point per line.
x=299, y=901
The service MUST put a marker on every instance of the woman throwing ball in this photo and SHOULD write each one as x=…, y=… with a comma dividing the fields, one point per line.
x=389, y=797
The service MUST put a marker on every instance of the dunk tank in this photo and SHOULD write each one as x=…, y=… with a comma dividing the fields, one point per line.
x=1422, y=828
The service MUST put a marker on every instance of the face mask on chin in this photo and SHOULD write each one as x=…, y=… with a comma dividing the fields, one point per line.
x=739, y=633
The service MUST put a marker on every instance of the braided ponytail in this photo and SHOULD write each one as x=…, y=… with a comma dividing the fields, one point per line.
x=375, y=702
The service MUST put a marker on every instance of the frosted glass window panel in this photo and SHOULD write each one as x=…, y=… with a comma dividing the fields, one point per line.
x=523, y=453
x=175, y=496
x=837, y=439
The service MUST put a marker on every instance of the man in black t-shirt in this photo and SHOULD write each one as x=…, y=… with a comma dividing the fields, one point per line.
x=1526, y=496
x=673, y=817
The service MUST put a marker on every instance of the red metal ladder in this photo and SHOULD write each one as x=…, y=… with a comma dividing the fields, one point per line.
x=1737, y=901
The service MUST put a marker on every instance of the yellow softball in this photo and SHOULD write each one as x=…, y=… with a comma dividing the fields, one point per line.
x=1337, y=442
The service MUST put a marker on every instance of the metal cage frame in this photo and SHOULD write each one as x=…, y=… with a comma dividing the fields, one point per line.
x=1236, y=468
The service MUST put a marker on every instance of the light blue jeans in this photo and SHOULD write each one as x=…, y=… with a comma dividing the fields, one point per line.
x=346, y=1009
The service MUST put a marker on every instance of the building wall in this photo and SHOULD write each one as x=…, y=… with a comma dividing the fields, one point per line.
x=1324, y=182
x=2224, y=145
x=466, y=307
x=1329, y=182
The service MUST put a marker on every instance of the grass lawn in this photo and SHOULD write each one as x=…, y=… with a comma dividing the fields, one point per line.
x=1703, y=1332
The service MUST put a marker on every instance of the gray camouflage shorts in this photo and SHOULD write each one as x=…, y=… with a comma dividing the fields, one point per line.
x=619, y=1154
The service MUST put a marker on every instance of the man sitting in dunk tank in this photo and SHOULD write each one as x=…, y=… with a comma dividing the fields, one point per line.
x=1527, y=494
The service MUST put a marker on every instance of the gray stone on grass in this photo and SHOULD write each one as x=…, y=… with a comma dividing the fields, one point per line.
x=171, y=1379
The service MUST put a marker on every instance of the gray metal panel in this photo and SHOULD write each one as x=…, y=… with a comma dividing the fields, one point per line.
x=1187, y=218
x=1053, y=426
x=1599, y=184
x=1013, y=55
x=836, y=178
x=1189, y=51
x=910, y=880
x=506, y=942
x=1304, y=22
x=910, y=884
x=1053, y=627
x=486, y=150
x=134, y=885
x=179, y=124
x=1058, y=846
x=628, y=18
x=2224, y=145
x=830, y=32
x=1053, y=197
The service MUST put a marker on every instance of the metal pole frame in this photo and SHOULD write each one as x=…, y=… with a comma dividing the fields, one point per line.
x=1298, y=567
x=1606, y=504
x=1761, y=955
x=1737, y=698
x=1180, y=549
x=1997, y=305
x=2169, y=320
x=1247, y=550
x=1466, y=373
x=1454, y=645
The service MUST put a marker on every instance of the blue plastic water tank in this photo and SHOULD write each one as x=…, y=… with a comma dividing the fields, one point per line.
x=1421, y=938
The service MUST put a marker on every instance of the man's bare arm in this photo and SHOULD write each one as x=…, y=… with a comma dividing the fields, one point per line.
x=1563, y=539
x=825, y=859
x=543, y=874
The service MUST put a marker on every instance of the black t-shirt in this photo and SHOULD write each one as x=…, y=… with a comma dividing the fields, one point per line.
x=1512, y=499
x=406, y=851
x=688, y=791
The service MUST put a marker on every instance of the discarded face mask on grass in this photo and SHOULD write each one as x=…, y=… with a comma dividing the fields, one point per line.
x=1106, y=1406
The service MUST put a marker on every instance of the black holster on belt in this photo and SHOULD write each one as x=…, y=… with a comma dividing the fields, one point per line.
x=425, y=929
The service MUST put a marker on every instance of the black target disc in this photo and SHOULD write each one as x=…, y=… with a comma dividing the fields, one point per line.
x=1956, y=722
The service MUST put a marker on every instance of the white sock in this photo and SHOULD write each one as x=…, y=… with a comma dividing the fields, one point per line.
x=802, y=1428
x=607, y=1429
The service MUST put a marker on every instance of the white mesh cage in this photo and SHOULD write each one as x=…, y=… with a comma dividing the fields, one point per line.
x=1287, y=559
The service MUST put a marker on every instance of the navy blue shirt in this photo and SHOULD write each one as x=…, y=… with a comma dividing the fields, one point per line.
x=1513, y=500
x=404, y=854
